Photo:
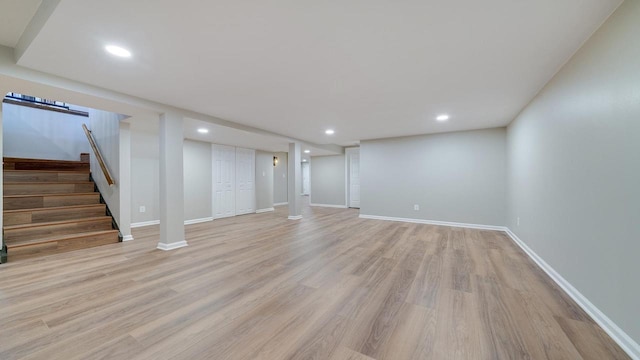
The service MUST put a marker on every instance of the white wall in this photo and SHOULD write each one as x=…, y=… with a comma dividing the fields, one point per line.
x=453, y=177
x=197, y=180
x=280, y=179
x=105, y=128
x=264, y=180
x=327, y=175
x=43, y=134
x=145, y=185
x=574, y=170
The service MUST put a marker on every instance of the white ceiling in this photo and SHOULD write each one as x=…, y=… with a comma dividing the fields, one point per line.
x=14, y=17
x=368, y=69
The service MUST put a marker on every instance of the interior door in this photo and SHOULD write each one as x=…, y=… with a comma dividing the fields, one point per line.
x=245, y=181
x=354, y=180
x=224, y=198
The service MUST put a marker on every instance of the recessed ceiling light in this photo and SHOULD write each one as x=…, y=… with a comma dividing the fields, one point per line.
x=329, y=132
x=118, y=51
x=304, y=160
x=203, y=130
x=307, y=151
x=443, y=117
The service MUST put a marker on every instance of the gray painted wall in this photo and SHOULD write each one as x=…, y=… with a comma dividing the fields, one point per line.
x=43, y=134
x=264, y=180
x=456, y=177
x=197, y=180
x=574, y=170
x=327, y=180
x=105, y=128
x=280, y=179
x=145, y=185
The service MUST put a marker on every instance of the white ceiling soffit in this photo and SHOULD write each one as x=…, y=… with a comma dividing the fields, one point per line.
x=368, y=69
x=223, y=135
x=14, y=18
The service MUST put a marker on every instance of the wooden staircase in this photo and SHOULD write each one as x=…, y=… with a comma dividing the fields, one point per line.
x=51, y=206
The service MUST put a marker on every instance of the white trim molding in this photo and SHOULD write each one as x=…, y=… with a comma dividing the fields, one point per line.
x=172, y=246
x=280, y=204
x=145, y=223
x=127, y=238
x=330, y=206
x=435, y=222
x=197, y=221
x=259, y=211
x=297, y=217
x=627, y=344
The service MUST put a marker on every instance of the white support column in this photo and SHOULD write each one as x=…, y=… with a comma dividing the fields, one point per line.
x=125, y=181
x=2, y=253
x=171, y=183
x=294, y=185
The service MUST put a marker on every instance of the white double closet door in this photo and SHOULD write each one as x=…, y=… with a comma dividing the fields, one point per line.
x=234, y=191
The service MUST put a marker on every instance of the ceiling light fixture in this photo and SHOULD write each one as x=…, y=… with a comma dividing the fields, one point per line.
x=443, y=117
x=203, y=130
x=307, y=151
x=304, y=160
x=118, y=51
x=329, y=132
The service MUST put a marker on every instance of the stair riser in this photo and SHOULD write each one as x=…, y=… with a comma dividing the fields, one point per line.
x=35, y=176
x=54, y=230
x=52, y=188
x=24, y=252
x=33, y=202
x=39, y=216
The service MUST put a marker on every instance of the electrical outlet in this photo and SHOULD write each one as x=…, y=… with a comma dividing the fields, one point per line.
x=264, y=174
x=518, y=221
x=416, y=207
x=143, y=209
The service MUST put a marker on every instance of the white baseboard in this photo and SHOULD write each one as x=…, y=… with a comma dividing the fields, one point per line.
x=297, y=217
x=627, y=344
x=280, y=204
x=330, y=206
x=172, y=246
x=197, y=221
x=435, y=222
x=259, y=211
x=127, y=238
x=157, y=222
x=145, y=223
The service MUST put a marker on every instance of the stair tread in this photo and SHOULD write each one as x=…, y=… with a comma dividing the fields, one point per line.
x=60, y=194
x=20, y=243
x=50, y=223
x=14, y=159
x=49, y=171
x=54, y=208
x=47, y=182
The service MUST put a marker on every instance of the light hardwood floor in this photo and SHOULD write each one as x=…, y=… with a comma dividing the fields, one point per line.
x=330, y=286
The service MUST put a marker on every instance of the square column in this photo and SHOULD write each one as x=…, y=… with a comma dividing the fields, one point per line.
x=3, y=249
x=171, y=183
x=125, y=181
x=294, y=185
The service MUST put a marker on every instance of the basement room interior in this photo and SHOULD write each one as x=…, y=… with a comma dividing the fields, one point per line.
x=332, y=180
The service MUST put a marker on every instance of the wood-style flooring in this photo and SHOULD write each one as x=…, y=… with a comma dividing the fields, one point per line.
x=329, y=286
